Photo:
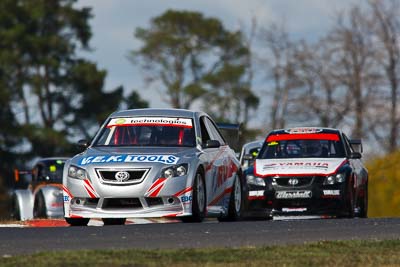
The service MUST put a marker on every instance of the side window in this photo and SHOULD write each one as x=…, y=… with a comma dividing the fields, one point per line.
x=204, y=133
x=215, y=134
x=347, y=145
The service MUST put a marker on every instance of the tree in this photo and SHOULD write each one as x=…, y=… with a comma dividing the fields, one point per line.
x=319, y=98
x=354, y=53
x=181, y=48
x=280, y=72
x=60, y=95
x=386, y=27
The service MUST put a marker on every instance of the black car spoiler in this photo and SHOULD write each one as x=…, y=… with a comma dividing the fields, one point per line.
x=356, y=144
x=231, y=132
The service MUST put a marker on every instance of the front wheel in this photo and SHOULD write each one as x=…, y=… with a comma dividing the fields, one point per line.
x=114, y=221
x=199, y=200
x=350, y=203
x=39, y=207
x=235, y=202
x=15, y=211
x=77, y=221
x=364, y=203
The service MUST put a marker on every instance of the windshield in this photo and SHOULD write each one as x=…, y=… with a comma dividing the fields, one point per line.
x=148, y=131
x=302, y=146
x=50, y=170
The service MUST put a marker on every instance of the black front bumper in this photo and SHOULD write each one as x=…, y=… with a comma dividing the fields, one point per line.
x=308, y=198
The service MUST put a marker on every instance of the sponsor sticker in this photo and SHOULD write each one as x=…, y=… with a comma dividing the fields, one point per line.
x=185, y=199
x=293, y=194
x=165, y=159
x=307, y=130
x=256, y=193
x=151, y=121
x=331, y=192
x=294, y=209
x=297, y=165
x=66, y=198
x=273, y=143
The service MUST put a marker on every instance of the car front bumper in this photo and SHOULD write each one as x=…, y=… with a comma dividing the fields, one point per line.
x=312, y=199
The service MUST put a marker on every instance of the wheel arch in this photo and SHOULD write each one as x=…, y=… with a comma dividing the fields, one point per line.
x=24, y=200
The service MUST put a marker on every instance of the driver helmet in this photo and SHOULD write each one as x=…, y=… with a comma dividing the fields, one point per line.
x=312, y=148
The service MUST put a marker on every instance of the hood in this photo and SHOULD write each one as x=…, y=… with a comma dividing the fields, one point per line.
x=107, y=155
x=305, y=166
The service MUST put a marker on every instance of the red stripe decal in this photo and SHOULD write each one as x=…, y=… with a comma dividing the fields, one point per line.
x=172, y=214
x=183, y=191
x=255, y=197
x=159, y=180
x=89, y=184
x=89, y=192
x=67, y=191
x=209, y=166
x=155, y=192
x=218, y=198
x=75, y=216
x=315, y=136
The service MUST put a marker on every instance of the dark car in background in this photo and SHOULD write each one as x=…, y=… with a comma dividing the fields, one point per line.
x=308, y=171
x=249, y=153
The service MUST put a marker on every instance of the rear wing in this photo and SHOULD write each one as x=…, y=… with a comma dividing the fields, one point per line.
x=22, y=179
x=356, y=145
x=231, y=133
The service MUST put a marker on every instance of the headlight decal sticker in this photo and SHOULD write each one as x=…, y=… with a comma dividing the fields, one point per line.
x=129, y=158
x=89, y=189
x=156, y=187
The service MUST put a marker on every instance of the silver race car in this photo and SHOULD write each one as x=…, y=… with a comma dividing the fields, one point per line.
x=154, y=163
x=40, y=193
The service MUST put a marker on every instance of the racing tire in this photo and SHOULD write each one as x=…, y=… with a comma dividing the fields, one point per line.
x=199, y=201
x=114, y=221
x=235, y=203
x=364, y=203
x=39, y=207
x=15, y=211
x=77, y=221
x=350, y=203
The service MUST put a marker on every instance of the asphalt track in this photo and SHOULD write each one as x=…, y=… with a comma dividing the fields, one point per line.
x=17, y=240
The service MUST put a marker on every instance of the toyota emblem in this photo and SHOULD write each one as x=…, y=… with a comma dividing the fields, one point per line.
x=122, y=176
x=293, y=181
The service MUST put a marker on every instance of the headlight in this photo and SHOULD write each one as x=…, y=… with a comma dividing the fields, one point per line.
x=175, y=171
x=336, y=178
x=77, y=173
x=251, y=179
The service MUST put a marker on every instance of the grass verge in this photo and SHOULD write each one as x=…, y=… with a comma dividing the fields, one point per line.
x=327, y=253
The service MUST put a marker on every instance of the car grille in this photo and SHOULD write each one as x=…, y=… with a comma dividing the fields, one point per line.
x=121, y=203
x=122, y=176
x=294, y=181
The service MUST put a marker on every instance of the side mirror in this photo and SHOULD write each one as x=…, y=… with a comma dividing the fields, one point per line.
x=248, y=157
x=83, y=144
x=355, y=155
x=212, y=144
x=356, y=144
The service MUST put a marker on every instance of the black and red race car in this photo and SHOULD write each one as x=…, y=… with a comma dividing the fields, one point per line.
x=308, y=171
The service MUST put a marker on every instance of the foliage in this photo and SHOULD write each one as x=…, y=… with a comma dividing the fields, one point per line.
x=49, y=97
x=196, y=58
x=384, y=191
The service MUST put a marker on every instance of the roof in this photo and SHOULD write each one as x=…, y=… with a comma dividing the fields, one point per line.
x=305, y=130
x=165, y=112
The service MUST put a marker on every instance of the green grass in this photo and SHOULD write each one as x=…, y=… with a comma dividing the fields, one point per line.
x=329, y=253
